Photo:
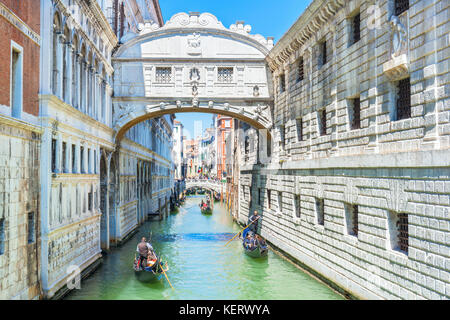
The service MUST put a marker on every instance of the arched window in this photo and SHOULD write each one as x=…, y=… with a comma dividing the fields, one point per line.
x=75, y=72
x=65, y=65
x=82, y=68
x=55, y=54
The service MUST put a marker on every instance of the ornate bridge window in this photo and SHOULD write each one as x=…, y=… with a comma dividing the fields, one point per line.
x=225, y=74
x=401, y=6
x=163, y=74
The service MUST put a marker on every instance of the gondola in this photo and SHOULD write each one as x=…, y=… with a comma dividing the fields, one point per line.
x=151, y=273
x=206, y=210
x=260, y=251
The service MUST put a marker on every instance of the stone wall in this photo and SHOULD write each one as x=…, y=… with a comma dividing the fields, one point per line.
x=19, y=197
x=342, y=198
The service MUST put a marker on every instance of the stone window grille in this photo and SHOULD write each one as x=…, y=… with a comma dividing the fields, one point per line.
x=403, y=99
x=356, y=28
x=323, y=122
x=269, y=196
x=300, y=70
x=282, y=79
x=299, y=129
x=31, y=228
x=163, y=74
x=2, y=236
x=320, y=210
x=53, y=155
x=225, y=74
x=401, y=6
x=403, y=235
x=356, y=114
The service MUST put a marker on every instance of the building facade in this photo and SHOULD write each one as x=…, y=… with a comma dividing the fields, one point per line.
x=19, y=150
x=357, y=188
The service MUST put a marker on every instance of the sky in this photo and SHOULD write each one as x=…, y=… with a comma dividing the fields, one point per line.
x=268, y=18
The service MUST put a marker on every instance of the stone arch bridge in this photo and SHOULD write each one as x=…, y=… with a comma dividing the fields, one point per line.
x=211, y=185
x=192, y=64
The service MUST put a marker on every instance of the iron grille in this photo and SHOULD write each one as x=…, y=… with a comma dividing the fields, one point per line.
x=31, y=232
x=323, y=120
x=73, y=158
x=401, y=6
x=404, y=99
x=356, y=121
x=268, y=197
x=297, y=206
x=355, y=220
x=403, y=232
x=163, y=74
x=225, y=75
x=356, y=28
x=300, y=70
x=122, y=20
x=2, y=236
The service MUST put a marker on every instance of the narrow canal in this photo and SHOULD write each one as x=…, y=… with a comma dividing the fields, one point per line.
x=201, y=267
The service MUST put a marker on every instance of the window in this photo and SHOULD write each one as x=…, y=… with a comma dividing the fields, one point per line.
x=299, y=129
x=401, y=6
x=323, y=122
x=300, y=70
x=16, y=81
x=351, y=219
x=89, y=161
x=82, y=169
x=90, y=199
x=297, y=205
x=282, y=137
x=398, y=231
x=355, y=115
x=53, y=155
x=225, y=74
x=64, y=156
x=269, y=198
x=282, y=83
x=323, y=53
x=31, y=228
x=403, y=99
x=320, y=211
x=73, y=158
x=356, y=28
x=2, y=236
x=280, y=201
x=163, y=74
x=403, y=232
x=259, y=197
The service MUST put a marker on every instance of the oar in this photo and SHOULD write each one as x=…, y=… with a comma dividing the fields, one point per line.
x=242, y=230
x=165, y=274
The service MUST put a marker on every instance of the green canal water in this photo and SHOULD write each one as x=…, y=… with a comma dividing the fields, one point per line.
x=201, y=267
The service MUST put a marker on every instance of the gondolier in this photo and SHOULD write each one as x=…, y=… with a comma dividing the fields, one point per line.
x=143, y=248
x=254, y=220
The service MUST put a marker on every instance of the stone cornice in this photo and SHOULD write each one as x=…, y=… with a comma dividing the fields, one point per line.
x=312, y=19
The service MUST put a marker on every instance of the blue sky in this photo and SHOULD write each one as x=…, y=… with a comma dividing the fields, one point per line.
x=268, y=18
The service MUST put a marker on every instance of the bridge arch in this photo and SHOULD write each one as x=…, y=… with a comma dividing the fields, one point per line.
x=192, y=64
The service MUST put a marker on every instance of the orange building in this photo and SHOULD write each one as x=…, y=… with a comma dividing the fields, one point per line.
x=224, y=128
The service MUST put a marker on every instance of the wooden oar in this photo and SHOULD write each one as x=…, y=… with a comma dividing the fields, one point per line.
x=242, y=230
x=165, y=274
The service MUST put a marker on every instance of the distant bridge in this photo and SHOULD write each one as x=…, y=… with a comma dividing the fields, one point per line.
x=213, y=185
